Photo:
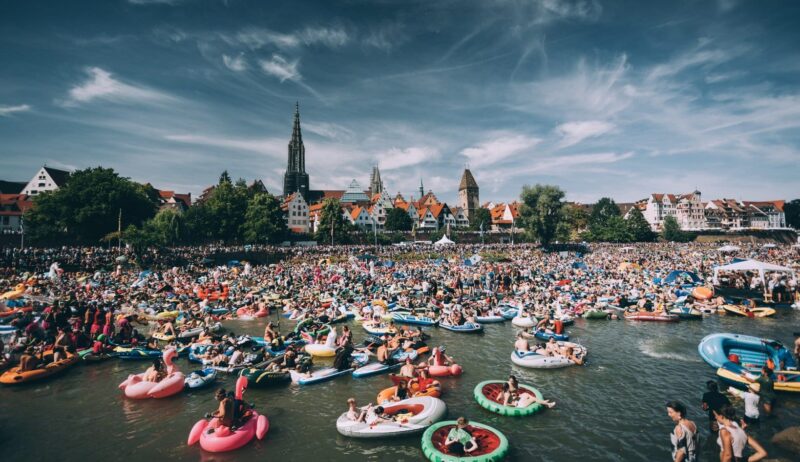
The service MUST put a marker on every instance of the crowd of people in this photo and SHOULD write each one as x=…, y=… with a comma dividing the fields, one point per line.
x=97, y=297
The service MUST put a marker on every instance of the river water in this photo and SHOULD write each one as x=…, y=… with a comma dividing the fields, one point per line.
x=612, y=409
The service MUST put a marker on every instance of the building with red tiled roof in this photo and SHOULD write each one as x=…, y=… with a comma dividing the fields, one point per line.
x=296, y=213
x=173, y=200
x=12, y=208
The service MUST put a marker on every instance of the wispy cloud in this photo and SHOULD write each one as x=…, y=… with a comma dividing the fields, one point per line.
x=6, y=111
x=269, y=146
x=499, y=147
x=385, y=37
x=572, y=133
x=551, y=10
x=235, y=63
x=258, y=37
x=279, y=67
x=101, y=85
x=396, y=158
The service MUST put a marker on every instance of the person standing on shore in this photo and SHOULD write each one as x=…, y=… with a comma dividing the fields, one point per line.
x=713, y=400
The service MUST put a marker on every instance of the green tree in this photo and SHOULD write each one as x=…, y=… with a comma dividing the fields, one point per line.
x=331, y=217
x=604, y=209
x=481, y=215
x=166, y=227
x=574, y=220
x=792, y=212
x=263, y=220
x=398, y=219
x=88, y=207
x=540, y=211
x=671, y=231
x=226, y=208
x=638, y=227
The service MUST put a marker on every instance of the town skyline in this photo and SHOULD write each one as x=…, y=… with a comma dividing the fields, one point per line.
x=604, y=100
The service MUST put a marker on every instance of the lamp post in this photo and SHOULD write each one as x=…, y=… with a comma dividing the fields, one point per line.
x=21, y=232
x=512, y=230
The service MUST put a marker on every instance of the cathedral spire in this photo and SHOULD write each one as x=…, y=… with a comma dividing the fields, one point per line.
x=297, y=136
x=296, y=178
x=421, y=189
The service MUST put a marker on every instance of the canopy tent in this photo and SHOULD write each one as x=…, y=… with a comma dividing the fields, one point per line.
x=729, y=248
x=444, y=241
x=753, y=265
x=678, y=276
x=769, y=246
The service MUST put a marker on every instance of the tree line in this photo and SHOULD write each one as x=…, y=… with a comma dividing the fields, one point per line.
x=90, y=207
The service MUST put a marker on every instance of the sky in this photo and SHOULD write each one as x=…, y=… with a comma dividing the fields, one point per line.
x=603, y=98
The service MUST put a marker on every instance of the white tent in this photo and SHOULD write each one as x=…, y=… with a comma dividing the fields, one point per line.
x=753, y=265
x=729, y=248
x=444, y=241
x=769, y=246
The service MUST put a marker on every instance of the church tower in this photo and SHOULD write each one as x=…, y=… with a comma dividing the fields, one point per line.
x=375, y=182
x=296, y=178
x=468, y=198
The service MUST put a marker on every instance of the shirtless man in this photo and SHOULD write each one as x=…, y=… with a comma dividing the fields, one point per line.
x=521, y=344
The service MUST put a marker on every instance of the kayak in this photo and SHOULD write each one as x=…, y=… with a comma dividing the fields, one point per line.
x=687, y=313
x=548, y=334
x=200, y=378
x=651, y=316
x=489, y=394
x=759, y=312
x=402, y=317
x=469, y=327
x=409, y=416
x=747, y=352
x=523, y=321
x=492, y=445
x=318, y=376
x=263, y=379
x=377, y=368
x=729, y=375
x=13, y=376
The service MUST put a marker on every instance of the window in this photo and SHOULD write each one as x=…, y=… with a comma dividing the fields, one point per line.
x=34, y=192
x=41, y=185
x=5, y=220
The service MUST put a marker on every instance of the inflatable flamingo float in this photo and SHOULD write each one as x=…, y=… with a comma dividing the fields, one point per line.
x=440, y=367
x=223, y=439
x=136, y=387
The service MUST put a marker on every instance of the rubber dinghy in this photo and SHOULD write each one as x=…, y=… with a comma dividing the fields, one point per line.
x=409, y=416
x=536, y=360
x=201, y=378
x=469, y=327
x=492, y=445
x=751, y=352
x=404, y=317
x=547, y=334
x=490, y=318
x=489, y=394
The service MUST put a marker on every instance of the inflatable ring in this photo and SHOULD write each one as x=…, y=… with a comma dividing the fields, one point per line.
x=492, y=445
x=494, y=388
